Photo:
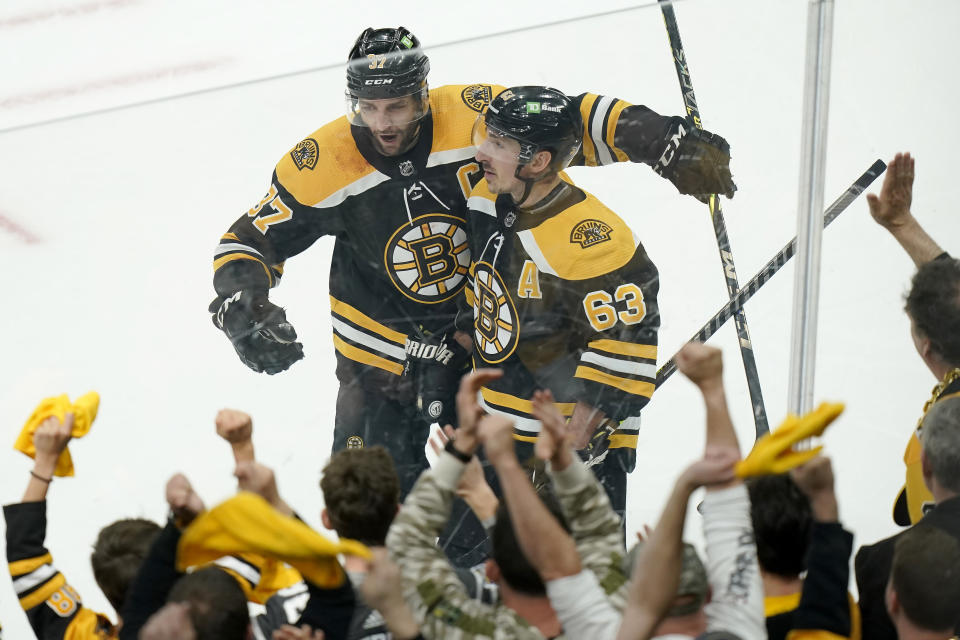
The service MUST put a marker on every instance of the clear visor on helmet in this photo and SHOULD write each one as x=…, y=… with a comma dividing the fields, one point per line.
x=497, y=144
x=385, y=112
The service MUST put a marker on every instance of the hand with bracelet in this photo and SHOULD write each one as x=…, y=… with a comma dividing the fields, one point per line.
x=50, y=439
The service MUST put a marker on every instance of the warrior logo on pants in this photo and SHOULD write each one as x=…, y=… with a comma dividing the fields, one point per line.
x=495, y=317
x=428, y=258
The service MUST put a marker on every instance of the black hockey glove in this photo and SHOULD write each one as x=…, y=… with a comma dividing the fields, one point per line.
x=599, y=446
x=697, y=162
x=439, y=363
x=259, y=331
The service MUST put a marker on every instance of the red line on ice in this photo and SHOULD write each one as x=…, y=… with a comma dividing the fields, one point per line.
x=129, y=79
x=15, y=229
x=69, y=11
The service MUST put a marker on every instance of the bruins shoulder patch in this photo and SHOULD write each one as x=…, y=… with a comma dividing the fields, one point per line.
x=477, y=96
x=590, y=232
x=305, y=154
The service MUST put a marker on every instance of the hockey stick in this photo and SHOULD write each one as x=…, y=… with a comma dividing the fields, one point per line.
x=719, y=226
x=834, y=210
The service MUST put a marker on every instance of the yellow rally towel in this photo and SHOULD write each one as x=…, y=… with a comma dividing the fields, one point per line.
x=774, y=453
x=84, y=413
x=246, y=523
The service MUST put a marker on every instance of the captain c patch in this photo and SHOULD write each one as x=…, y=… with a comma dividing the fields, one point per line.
x=590, y=232
x=305, y=154
x=477, y=96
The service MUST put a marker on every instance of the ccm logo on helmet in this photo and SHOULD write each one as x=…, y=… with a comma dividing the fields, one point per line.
x=379, y=81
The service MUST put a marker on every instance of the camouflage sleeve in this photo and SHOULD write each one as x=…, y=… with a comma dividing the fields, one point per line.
x=595, y=527
x=431, y=587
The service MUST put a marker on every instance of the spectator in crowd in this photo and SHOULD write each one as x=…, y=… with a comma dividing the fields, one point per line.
x=797, y=528
x=735, y=607
x=361, y=496
x=54, y=608
x=933, y=306
x=940, y=462
x=923, y=594
x=431, y=587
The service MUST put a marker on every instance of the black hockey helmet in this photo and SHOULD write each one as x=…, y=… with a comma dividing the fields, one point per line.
x=539, y=118
x=386, y=63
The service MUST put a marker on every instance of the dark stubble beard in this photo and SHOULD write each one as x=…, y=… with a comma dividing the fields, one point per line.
x=408, y=138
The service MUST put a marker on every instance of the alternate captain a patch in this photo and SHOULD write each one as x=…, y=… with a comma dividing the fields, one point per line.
x=477, y=96
x=305, y=154
x=590, y=232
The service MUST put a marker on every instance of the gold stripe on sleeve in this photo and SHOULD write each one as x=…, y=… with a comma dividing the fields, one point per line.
x=365, y=357
x=589, y=150
x=635, y=387
x=30, y=601
x=612, y=129
x=625, y=348
x=230, y=236
x=22, y=567
x=359, y=318
x=219, y=262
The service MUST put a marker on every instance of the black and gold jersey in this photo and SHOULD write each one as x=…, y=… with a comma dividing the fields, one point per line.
x=54, y=608
x=564, y=297
x=401, y=254
x=915, y=498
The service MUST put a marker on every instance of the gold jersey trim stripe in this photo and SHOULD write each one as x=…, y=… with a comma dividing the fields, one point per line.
x=219, y=262
x=623, y=441
x=365, y=357
x=230, y=236
x=358, y=318
x=612, y=128
x=589, y=151
x=23, y=567
x=635, y=387
x=625, y=348
x=32, y=600
x=775, y=605
x=519, y=404
x=524, y=438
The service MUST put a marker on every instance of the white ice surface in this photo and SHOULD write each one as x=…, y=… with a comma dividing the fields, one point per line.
x=126, y=207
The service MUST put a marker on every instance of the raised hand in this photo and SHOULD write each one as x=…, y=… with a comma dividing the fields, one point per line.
x=715, y=468
x=50, y=439
x=496, y=434
x=185, y=504
x=703, y=365
x=891, y=209
x=260, y=479
x=468, y=408
x=236, y=427
x=473, y=487
x=555, y=442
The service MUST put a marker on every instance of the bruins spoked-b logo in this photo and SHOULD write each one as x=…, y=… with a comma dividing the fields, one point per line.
x=477, y=96
x=495, y=316
x=590, y=232
x=305, y=154
x=428, y=258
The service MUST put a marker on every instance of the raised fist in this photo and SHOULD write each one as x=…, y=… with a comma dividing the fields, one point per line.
x=700, y=363
x=234, y=426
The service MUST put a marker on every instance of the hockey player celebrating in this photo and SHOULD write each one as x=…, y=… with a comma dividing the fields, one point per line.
x=390, y=181
x=563, y=294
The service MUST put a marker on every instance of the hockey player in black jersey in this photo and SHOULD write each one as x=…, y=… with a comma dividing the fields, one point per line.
x=562, y=294
x=390, y=181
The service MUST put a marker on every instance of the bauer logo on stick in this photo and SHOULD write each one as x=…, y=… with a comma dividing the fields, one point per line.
x=590, y=232
x=305, y=154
